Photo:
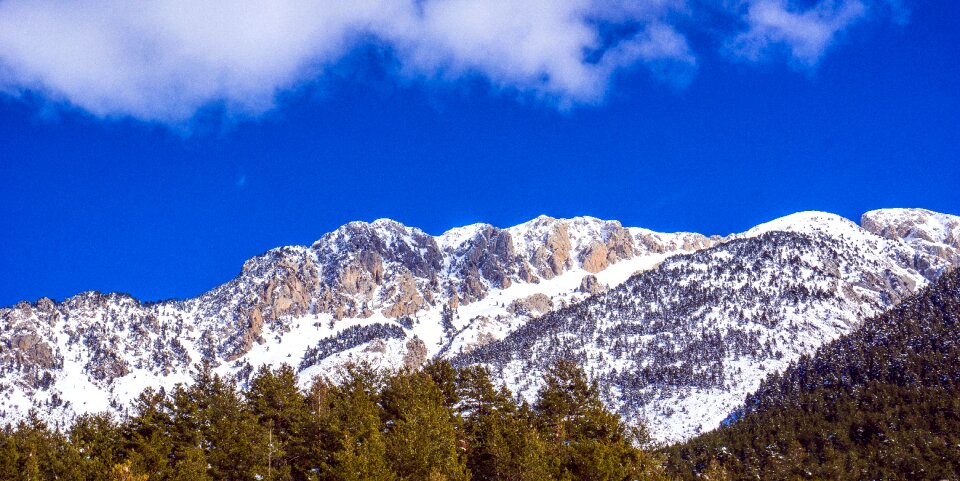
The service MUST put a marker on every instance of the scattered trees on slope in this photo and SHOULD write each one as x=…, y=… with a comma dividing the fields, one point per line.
x=880, y=403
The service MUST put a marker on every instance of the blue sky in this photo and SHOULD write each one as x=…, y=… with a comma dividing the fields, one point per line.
x=158, y=169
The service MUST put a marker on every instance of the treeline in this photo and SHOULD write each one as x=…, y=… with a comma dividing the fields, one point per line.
x=880, y=403
x=436, y=423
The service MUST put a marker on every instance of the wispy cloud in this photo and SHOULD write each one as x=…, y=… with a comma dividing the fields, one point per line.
x=806, y=34
x=165, y=60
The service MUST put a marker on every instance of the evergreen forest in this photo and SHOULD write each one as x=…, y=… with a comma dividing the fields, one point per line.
x=435, y=423
x=882, y=403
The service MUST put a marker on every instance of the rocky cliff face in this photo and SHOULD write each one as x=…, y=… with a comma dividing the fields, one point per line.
x=930, y=233
x=680, y=345
x=94, y=351
x=393, y=295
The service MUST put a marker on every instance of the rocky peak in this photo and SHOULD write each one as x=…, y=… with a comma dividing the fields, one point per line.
x=913, y=224
x=930, y=232
x=553, y=246
x=385, y=283
x=385, y=240
x=484, y=258
x=650, y=242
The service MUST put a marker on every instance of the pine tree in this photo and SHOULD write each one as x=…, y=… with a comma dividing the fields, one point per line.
x=190, y=465
x=317, y=441
x=281, y=408
x=359, y=451
x=97, y=440
x=147, y=435
x=445, y=376
x=122, y=472
x=588, y=441
x=9, y=455
x=494, y=434
x=423, y=436
x=234, y=443
x=44, y=453
x=187, y=458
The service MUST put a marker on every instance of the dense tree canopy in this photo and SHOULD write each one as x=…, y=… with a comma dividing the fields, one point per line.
x=880, y=403
x=436, y=423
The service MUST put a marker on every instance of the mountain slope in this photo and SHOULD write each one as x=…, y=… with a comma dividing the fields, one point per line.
x=707, y=321
x=380, y=291
x=879, y=403
x=680, y=345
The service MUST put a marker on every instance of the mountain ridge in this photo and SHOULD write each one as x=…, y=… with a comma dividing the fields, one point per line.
x=430, y=295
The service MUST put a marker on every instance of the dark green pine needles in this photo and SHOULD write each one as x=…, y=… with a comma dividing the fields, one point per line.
x=880, y=403
x=436, y=423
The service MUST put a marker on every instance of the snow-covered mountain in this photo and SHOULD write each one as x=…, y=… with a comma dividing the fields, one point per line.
x=678, y=344
x=682, y=344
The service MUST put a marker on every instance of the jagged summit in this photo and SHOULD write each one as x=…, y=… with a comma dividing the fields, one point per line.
x=394, y=295
x=680, y=345
x=936, y=235
x=911, y=224
x=457, y=236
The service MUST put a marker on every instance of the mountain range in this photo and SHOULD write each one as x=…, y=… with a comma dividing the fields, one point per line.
x=677, y=327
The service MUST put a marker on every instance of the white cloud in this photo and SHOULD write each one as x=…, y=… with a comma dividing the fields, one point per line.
x=806, y=34
x=164, y=60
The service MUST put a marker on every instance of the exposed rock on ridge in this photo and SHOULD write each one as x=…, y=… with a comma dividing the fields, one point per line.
x=681, y=344
x=367, y=290
x=354, y=272
x=927, y=231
